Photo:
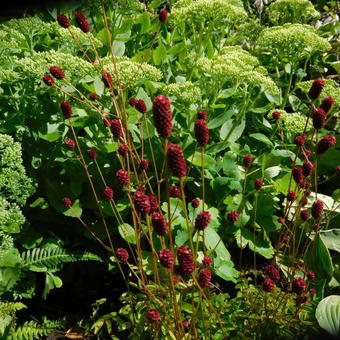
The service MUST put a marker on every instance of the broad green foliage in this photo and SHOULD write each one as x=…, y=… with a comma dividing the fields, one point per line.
x=291, y=11
x=328, y=314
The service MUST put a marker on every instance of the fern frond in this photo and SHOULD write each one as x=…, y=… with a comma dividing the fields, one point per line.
x=51, y=257
x=9, y=308
x=32, y=330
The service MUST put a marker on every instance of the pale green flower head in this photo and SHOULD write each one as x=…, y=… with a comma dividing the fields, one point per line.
x=40, y=62
x=10, y=40
x=130, y=73
x=291, y=41
x=214, y=12
x=187, y=92
x=11, y=217
x=28, y=26
x=14, y=184
x=237, y=66
x=331, y=89
x=291, y=11
x=294, y=123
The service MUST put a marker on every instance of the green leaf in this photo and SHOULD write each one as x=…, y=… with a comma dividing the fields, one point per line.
x=219, y=120
x=75, y=210
x=331, y=238
x=159, y=54
x=127, y=232
x=318, y=259
x=262, y=138
x=214, y=241
x=197, y=160
x=118, y=48
x=226, y=271
x=328, y=314
x=144, y=20
x=233, y=133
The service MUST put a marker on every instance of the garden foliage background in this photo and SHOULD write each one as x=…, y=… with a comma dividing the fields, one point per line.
x=80, y=239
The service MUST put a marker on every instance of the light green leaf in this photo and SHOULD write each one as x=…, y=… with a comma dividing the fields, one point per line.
x=328, y=314
x=75, y=210
x=262, y=138
x=159, y=54
x=127, y=232
x=214, y=241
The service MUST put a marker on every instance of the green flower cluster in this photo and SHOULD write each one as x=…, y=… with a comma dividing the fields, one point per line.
x=294, y=123
x=130, y=73
x=187, y=92
x=331, y=89
x=216, y=12
x=39, y=63
x=293, y=11
x=237, y=66
x=292, y=42
x=15, y=186
x=10, y=40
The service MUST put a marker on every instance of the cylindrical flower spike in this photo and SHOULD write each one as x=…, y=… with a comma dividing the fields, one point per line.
x=140, y=106
x=108, y=193
x=233, y=216
x=122, y=255
x=247, y=161
x=63, y=21
x=319, y=117
x=123, y=177
x=162, y=116
x=48, y=80
x=82, y=22
x=202, y=114
x=204, y=277
x=327, y=104
x=159, y=224
x=107, y=79
x=92, y=153
x=166, y=258
x=66, y=108
x=116, y=128
x=316, y=88
x=324, y=144
x=202, y=220
x=201, y=132
x=57, y=72
x=66, y=202
x=186, y=260
x=163, y=15
x=176, y=160
x=317, y=209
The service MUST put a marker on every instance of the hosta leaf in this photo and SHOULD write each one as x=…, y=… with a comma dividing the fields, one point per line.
x=328, y=314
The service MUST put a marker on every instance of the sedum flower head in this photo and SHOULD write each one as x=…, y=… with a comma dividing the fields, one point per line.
x=291, y=41
x=130, y=73
x=14, y=184
x=186, y=93
x=10, y=40
x=216, y=12
x=293, y=11
x=294, y=123
x=237, y=66
x=331, y=89
x=11, y=217
x=40, y=62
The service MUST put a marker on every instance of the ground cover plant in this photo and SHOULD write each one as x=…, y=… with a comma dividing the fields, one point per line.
x=170, y=170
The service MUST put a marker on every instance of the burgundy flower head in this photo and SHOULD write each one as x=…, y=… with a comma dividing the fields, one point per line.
x=63, y=21
x=70, y=143
x=319, y=117
x=273, y=273
x=144, y=164
x=316, y=88
x=107, y=79
x=202, y=114
x=258, y=183
x=122, y=255
x=299, y=140
x=204, y=277
x=123, y=177
x=163, y=15
x=207, y=261
x=57, y=72
x=176, y=160
x=175, y=191
x=92, y=153
x=324, y=144
x=66, y=202
x=82, y=22
x=153, y=315
x=276, y=115
x=186, y=260
x=162, y=116
x=132, y=101
x=317, y=209
x=312, y=291
x=307, y=168
x=159, y=224
x=93, y=96
x=166, y=258
x=48, y=80
x=297, y=173
x=107, y=121
x=123, y=150
x=142, y=202
x=195, y=203
x=116, y=128
x=108, y=193
x=299, y=285
x=247, y=161
x=303, y=201
x=140, y=106
x=327, y=104
x=154, y=202
x=202, y=220
x=201, y=132
x=66, y=108
x=311, y=275
x=268, y=285
x=232, y=216
x=291, y=196
x=281, y=220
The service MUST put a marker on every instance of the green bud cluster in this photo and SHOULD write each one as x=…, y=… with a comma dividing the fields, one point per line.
x=187, y=92
x=291, y=11
x=294, y=123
